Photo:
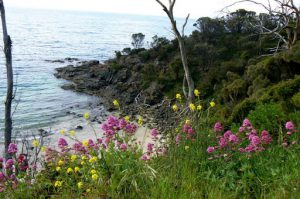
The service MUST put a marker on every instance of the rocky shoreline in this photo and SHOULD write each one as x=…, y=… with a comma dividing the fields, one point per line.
x=124, y=84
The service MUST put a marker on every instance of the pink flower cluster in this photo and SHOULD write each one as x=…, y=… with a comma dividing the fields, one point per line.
x=246, y=140
x=289, y=139
x=113, y=125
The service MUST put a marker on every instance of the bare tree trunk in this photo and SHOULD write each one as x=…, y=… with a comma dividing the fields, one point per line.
x=188, y=76
x=10, y=83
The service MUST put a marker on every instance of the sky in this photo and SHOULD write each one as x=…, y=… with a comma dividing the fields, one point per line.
x=197, y=8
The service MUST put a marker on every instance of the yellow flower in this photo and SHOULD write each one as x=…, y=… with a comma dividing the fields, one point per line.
x=199, y=107
x=82, y=163
x=188, y=122
x=88, y=190
x=95, y=177
x=85, y=143
x=93, y=171
x=192, y=107
x=79, y=185
x=76, y=169
x=60, y=162
x=116, y=103
x=58, y=183
x=86, y=116
x=72, y=133
x=58, y=169
x=43, y=149
x=73, y=158
x=35, y=143
x=212, y=104
x=84, y=157
x=140, y=120
x=127, y=118
x=62, y=131
x=175, y=107
x=186, y=148
x=69, y=170
x=178, y=96
x=93, y=159
x=196, y=92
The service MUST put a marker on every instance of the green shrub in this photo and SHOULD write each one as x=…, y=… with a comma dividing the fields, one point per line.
x=267, y=117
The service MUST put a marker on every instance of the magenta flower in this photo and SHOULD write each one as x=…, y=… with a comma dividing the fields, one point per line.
x=178, y=139
x=247, y=123
x=233, y=138
x=227, y=134
x=210, y=149
x=290, y=126
x=265, y=137
x=255, y=140
x=122, y=123
x=154, y=133
x=250, y=148
x=62, y=143
x=123, y=147
x=12, y=148
x=2, y=177
x=186, y=128
x=242, y=129
x=222, y=142
x=9, y=163
x=218, y=127
x=144, y=157
x=150, y=147
x=78, y=147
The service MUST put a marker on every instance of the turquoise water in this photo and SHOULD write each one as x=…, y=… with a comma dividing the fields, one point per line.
x=40, y=35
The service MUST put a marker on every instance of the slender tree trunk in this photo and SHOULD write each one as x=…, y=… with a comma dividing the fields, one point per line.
x=10, y=83
x=188, y=76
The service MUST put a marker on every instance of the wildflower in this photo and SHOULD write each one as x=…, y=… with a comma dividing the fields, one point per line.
x=72, y=133
x=255, y=140
x=127, y=118
x=212, y=104
x=175, y=107
x=210, y=149
x=43, y=149
x=116, y=103
x=241, y=129
x=140, y=120
x=233, y=138
x=196, y=92
x=188, y=122
x=82, y=163
x=178, y=96
x=62, y=143
x=88, y=190
x=265, y=137
x=79, y=185
x=178, y=139
x=247, y=123
x=60, y=163
x=9, y=164
x=69, y=170
x=12, y=148
x=218, y=127
x=93, y=159
x=123, y=147
x=186, y=148
x=227, y=134
x=84, y=157
x=93, y=171
x=192, y=107
x=85, y=143
x=222, y=142
x=58, y=169
x=95, y=177
x=290, y=126
x=62, y=132
x=58, y=183
x=76, y=169
x=35, y=143
x=2, y=176
x=150, y=147
x=199, y=107
x=86, y=116
x=73, y=158
x=154, y=133
x=144, y=157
